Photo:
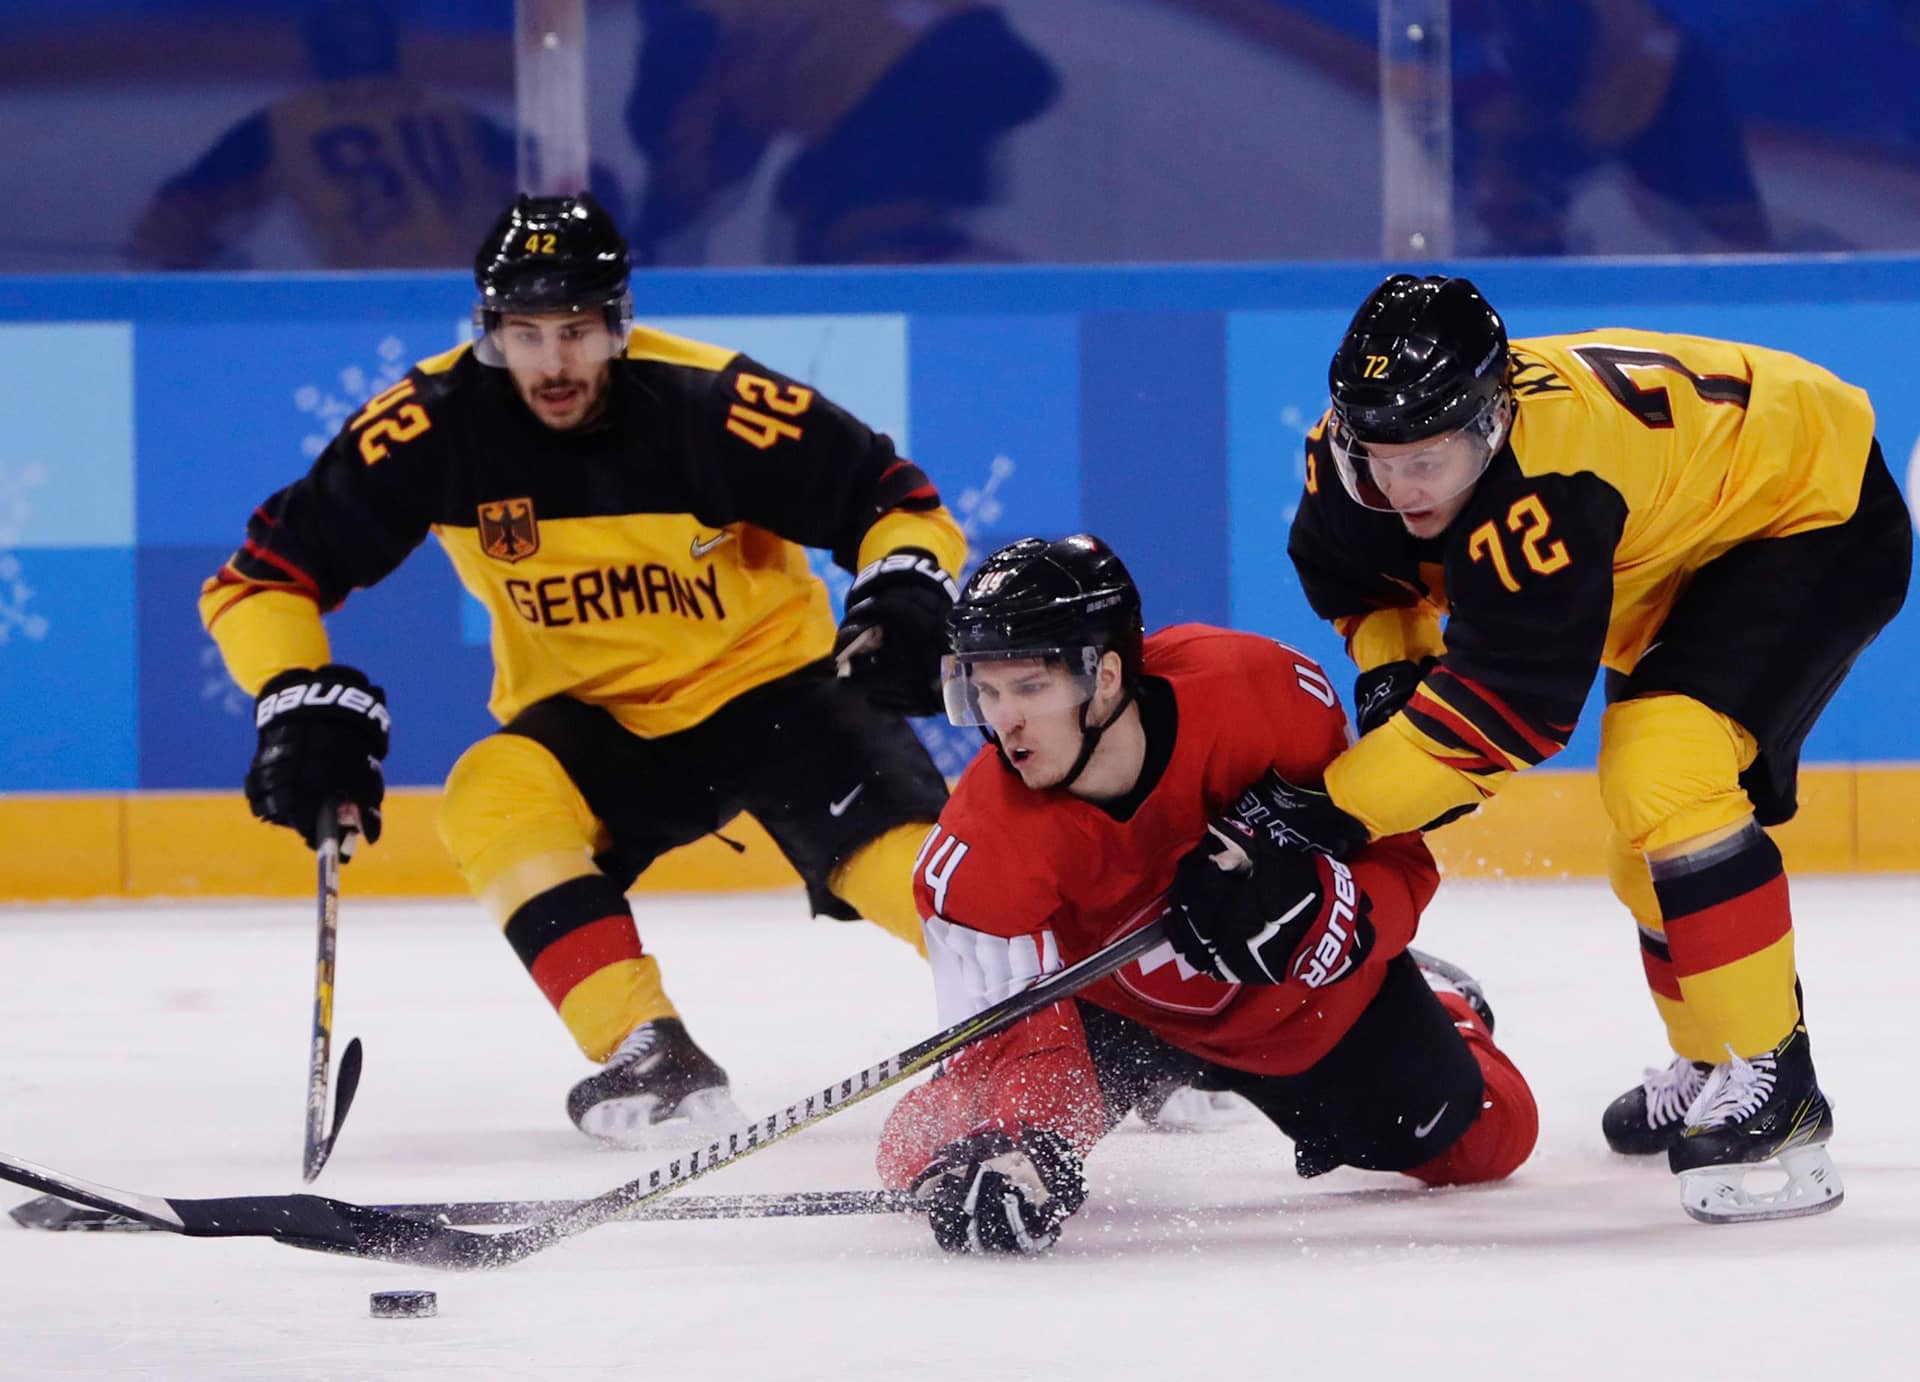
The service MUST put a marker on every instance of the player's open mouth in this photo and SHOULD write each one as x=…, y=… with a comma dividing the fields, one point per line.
x=557, y=395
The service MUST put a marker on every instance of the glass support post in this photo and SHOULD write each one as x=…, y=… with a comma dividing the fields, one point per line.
x=1416, y=129
x=550, y=95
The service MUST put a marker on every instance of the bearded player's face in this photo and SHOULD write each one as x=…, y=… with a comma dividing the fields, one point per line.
x=560, y=363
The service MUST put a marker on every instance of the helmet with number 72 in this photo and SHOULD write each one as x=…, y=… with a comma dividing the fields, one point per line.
x=1423, y=358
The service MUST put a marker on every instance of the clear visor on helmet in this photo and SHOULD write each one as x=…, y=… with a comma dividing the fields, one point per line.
x=1006, y=687
x=588, y=335
x=1412, y=477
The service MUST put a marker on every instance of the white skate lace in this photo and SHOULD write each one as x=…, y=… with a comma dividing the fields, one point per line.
x=1670, y=1092
x=639, y=1042
x=1734, y=1091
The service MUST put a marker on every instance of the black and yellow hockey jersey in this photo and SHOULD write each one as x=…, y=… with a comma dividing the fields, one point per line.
x=651, y=563
x=1636, y=457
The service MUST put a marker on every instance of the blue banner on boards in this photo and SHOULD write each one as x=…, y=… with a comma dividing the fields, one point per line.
x=1163, y=408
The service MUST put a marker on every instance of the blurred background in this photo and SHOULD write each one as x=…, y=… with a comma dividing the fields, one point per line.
x=1083, y=259
x=300, y=134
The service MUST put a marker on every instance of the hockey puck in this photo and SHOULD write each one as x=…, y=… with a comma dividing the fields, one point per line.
x=404, y=1305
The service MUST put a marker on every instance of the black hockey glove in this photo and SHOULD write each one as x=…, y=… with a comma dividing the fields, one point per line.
x=895, y=631
x=1382, y=693
x=989, y=1193
x=1249, y=913
x=322, y=735
x=1276, y=814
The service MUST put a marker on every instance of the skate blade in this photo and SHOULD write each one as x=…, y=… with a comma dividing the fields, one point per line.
x=639, y=1121
x=1809, y=1184
x=1189, y=1110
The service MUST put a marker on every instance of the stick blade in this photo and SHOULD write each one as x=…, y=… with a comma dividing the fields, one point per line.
x=345, y=1086
x=301, y=1221
x=51, y=1214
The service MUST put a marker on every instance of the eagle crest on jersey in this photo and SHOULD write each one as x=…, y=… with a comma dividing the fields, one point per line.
x=508, y=530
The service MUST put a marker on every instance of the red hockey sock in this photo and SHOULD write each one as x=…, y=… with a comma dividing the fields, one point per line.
x=1502, y=1137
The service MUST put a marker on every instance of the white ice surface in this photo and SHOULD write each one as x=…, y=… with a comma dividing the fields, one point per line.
x=162, y=1049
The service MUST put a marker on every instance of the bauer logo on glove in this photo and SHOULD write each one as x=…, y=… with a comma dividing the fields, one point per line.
x=1328, y=954
x=323, y=732
x=922, y=564
x=319, y=693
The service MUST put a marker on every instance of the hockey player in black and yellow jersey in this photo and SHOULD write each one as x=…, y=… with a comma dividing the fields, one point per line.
x=631, y=508
x=1711, y=523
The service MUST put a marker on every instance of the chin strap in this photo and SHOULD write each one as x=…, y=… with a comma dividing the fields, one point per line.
x=1090, y=736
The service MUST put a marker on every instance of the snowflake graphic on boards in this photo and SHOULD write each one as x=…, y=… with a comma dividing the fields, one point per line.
x=220, y=689
x=15, y=593
x=330, y=410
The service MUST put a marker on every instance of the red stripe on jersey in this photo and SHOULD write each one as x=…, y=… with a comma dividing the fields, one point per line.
x=584, y=951
x=241, y=593
x=1468, y=733
x=1730, y=930
x=1479, y=767
x=1546, y=748
x=280, y=563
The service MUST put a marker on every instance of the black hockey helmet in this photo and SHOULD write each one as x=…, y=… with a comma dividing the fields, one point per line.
x=552, y=254
x=1423, y=357
x=1069, y=600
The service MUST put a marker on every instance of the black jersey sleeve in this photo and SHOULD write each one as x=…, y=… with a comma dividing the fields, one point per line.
x=366, y=503
x=797, y=464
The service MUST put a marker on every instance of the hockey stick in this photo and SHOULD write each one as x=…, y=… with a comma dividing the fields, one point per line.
x=339, y=822
x=50, y=1214
x=326, y=1225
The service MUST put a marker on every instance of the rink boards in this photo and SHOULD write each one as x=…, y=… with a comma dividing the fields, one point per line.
x=1162, y=408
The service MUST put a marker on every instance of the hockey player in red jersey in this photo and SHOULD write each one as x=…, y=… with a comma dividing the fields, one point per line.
x=1115, y=789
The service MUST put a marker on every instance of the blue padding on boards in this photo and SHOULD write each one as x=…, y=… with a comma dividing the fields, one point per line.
x=996, y=425
x=1153, y=444
x=67, y=669
x=196, y=726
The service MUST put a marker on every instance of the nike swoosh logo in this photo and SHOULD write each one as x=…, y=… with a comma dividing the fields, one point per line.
x=839, y=808
x=1431, y=1123
x=701, y=548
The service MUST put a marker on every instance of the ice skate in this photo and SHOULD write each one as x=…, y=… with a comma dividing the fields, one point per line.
x=657, y=1082
x=1443, y=977
x=1650, y=1117
x=1754, y=1142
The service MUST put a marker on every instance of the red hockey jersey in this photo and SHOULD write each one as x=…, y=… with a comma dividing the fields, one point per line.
x=1015, y=883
